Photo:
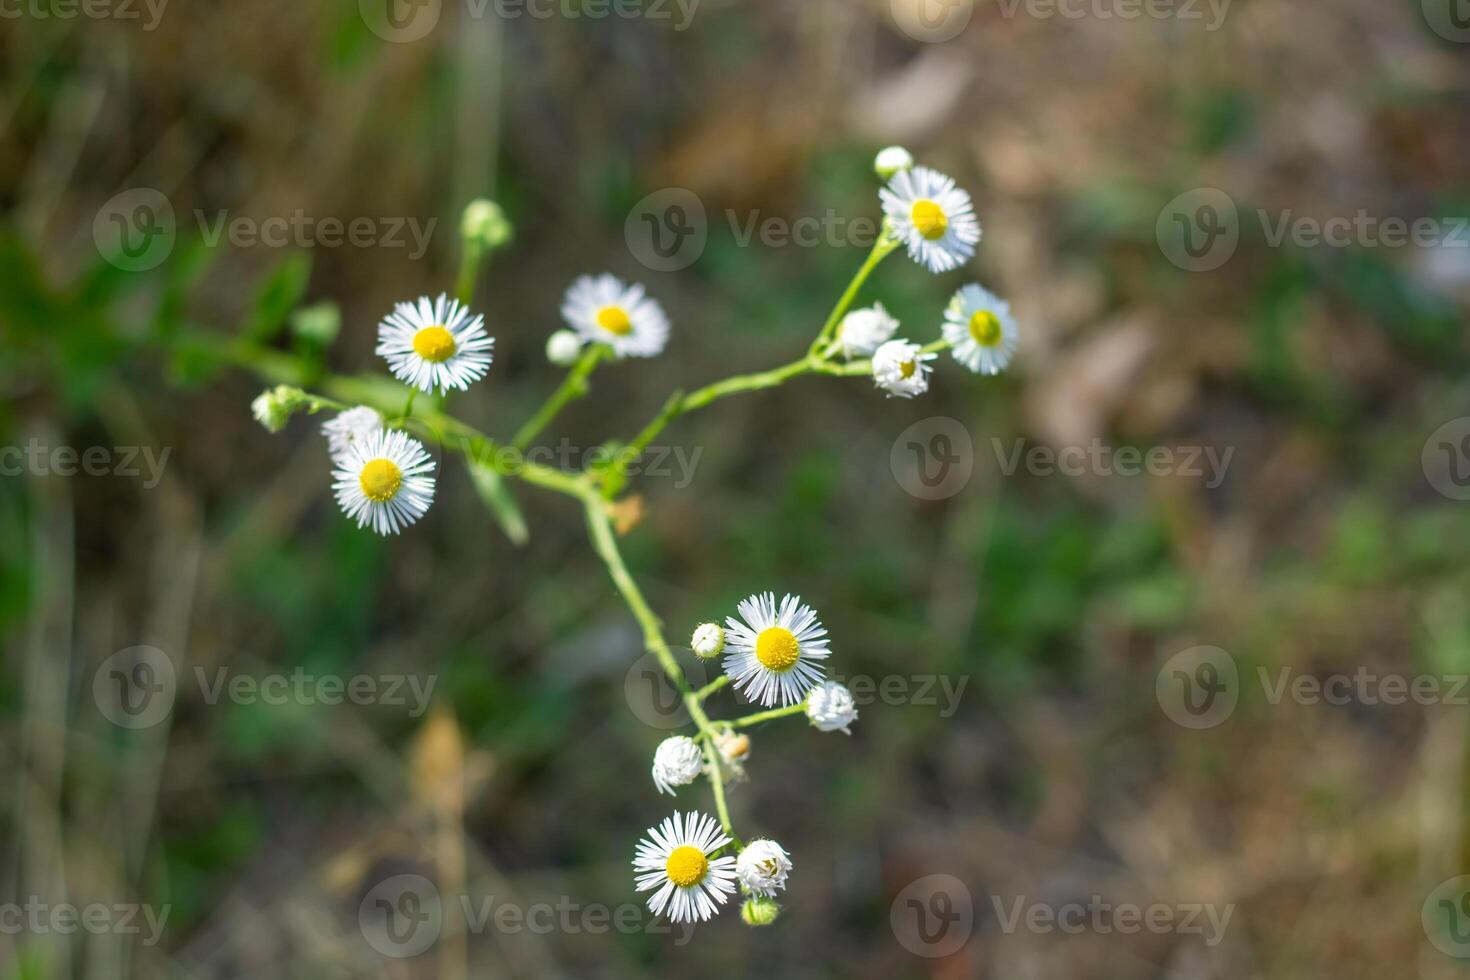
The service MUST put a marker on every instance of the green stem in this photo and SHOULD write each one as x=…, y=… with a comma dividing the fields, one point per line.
x=717, y=785
x=712, y=687
x=882, y=248
x=574, y=386
x=771, y=715
x=469, y=270
x=680, y=403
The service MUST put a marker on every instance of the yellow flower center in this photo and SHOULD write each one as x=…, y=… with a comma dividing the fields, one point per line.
x=686, y=866
x=985, y=328
x=930, y=219
x=614, y=319
x=777, y=649
x=434, y=344
x=907, y=368
x=380, y=480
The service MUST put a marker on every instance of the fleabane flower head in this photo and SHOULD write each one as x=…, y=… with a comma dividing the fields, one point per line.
x=891, y=160
x=862, y=331
x=763, y=867
x=435, y=345
x=676, y=762
x=674, y=859
x=774, y=653
x=604, y=310
x=932, y=216
x=384, y=480
x=901, y=368
x=830, y=707
x=350, y=427
x=708, y=640
x=981, y=330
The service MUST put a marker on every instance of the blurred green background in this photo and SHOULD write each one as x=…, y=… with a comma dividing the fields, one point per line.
x=1054, y=599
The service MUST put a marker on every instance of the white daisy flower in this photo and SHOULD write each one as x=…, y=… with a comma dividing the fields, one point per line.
x=932, y=216
x=773, y=654
x=435, y=345
x=763, y=867
x=677, y=762
x=563, y=348
x=901, y=368
x=606, y=311
x=830, y=707
x=861, y=331
x=675, y=860
x=981, y=330
x=384, y=480
x=349, y=427
x=708, y=640
x=890, y=160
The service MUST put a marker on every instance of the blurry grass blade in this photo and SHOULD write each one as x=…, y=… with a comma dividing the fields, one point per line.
x=491, y=487
x=278, y=297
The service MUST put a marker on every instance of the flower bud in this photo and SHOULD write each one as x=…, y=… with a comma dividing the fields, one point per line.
x=563, y=348
x=759, y=911
x=274, y=407
x=708, y=640
x=891, y=160
x=484, y=222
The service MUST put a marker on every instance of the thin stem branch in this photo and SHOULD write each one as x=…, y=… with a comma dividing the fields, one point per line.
x=771, y=715
x=713, y=686
x=574, y=386
x=882, y=248
x=469, y=270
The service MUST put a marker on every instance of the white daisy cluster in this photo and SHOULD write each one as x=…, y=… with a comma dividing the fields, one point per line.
x=772, y=653
x=773, y=656
x=933, y=218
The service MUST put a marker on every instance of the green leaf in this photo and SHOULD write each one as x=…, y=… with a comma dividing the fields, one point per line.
x=498, y=498
x=278, y=297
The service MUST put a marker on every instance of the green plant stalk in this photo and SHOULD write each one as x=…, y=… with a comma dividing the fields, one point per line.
x=574, y=386
x=771, y=715
x=882, y=248
x=712, y=687
x=469, y=270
